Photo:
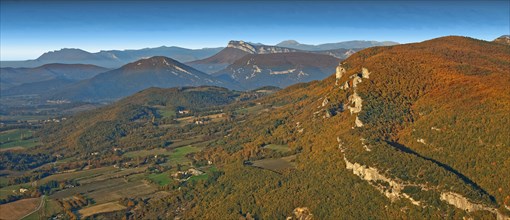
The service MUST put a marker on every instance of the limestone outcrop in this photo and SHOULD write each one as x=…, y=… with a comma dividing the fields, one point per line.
x=340, y=71
x=356, y=100
x=392, y=189
x=463, y=203
x=365, y=73
x=372, y=175
x=345, y=86
x=358, y=122
x=325, y=102
x=301, y=213
x=355, y=81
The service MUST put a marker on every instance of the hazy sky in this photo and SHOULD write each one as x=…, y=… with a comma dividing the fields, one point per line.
x=28, y=29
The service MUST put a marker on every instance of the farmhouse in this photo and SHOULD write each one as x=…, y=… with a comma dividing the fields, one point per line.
x=182, y=112
x=185, y=175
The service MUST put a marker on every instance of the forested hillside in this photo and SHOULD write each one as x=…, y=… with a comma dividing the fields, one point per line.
x=425, y=124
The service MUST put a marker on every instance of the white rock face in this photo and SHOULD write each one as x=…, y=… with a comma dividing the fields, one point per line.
x=301, y=213
x=262, y=49
x=340, y=144
x=281, y=72
x=463, y=203
x=345, y=86
x=357, y=101
x=358, y=122
x=371, y=174
x=365, y=73
x=241, y=45
x=340, y=71
x=269, y=49
x=356, y=81
x=256, y=69
x=325, y=102
x=394, y=191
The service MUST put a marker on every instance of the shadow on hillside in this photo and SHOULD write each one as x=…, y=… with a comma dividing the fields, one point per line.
x=442, y=165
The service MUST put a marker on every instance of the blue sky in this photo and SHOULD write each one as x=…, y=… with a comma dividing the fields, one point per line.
x=30, y=28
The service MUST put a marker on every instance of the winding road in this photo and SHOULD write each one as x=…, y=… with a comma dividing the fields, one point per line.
x=38, y=208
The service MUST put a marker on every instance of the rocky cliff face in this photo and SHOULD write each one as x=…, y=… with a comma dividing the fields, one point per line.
x=463, y=203
x=340, y=71
x=258, y=49
x=393, y=189
x=301, y=213
x=390, y=188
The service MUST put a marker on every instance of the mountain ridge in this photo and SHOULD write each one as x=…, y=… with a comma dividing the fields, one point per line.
x=279, y=69
x=112, y=58
x=332, y=46
x=158, y=71
x=18, y=76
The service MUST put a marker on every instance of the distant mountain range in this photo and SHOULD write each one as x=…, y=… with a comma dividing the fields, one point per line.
x=156, y=71
x=234, y=51
x=332, y=46
x=112, y=58
x=238, y=49
x=279, y=69
x=240, y=65
x=208, y=60
x=11, y=77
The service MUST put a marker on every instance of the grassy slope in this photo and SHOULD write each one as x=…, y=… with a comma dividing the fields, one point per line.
x=13, y=138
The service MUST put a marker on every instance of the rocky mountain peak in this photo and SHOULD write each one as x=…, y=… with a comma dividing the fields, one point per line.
x=154, y=62
x=241, y=45
x=71, y=53
x=287, y=43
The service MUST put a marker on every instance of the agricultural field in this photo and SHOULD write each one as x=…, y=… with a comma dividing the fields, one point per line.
x=116, y=174
x=145, y=153
x=251, y=109
x=29, y=118
x=278, y=148
x=80, y=175
x=178, y=156
x=108, y=190
x=18, y=209
x=17, y=139
x=12, y=190
x=161, y=179
x=102, y=208
x=181, y=143
x=105, y=186
x=121, y=190
x=50, y=207
x=166, y=112
x=276, y=164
